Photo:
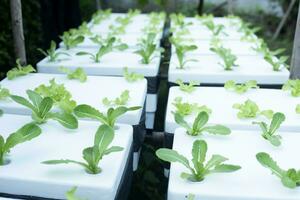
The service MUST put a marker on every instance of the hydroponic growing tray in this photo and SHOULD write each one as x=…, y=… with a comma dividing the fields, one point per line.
x=251, y=182
x=26, y=176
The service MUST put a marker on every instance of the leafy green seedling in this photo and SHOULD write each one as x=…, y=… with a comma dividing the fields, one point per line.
x=200, y=169
x=104, y=41
x=19, y=70
x=289, y=178
x=110, y=118
x=277, y=63
x=100, y=16
x=241, y=88
x=269, y=133
x=52, y=53
x=132, y=76
x=199, y=127
x=215, y=29
x=103, y=50
x=190, y=197
x=179, y=21
x=226, y=55
x=298, y=109
x=185, y=108
x=249, y=109
x=59, y=94
x=41, y=110
x=188, y=88
x=4, y=93
x=293, y=86
x=71, y=41
x=78, y=73
x=70, y=195
x=24, y=134
x=94, y=154
x=118, y=101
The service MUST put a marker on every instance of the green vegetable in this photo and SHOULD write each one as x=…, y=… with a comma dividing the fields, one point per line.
x=226, y=55
x=190, y=197
x=241, y=88
x=293, y=86
x=188, y=88
x=59, y=94
x=94, y=154
x=185, y=108
x=270, y=133
x=103, y=50
x=199, y=127
x=101, y=15
x=105, y=41
x=4, y=93
x=24, y=134
x=132, y=77
x=71, y=41
x=110, y=118
x=19, y=70
x=251, y=110
x=70, y=195
x=298, y=109
x=78, y=73
x=200, y=169
x=215, y=29
x=289, y=178
x=41, y=110
x=52, y=53
x=277, y=63
x=119, y=101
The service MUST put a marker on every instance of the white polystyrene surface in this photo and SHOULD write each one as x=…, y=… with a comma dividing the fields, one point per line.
x=208, y=70
x=151, y=102
x=25, y=175
x=251, y=182
x=90, y=92
x=220, y=101
x=136, y=159
x=111, y=64
x=150, y=120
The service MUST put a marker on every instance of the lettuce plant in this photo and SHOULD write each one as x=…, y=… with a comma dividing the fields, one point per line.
x=249, y=109
x=241, y=88
x=269, y=132
x=19, y=70
x=83, y=29
x=4, y=93
x=41, y=110
x=104, y=41
x=59, y=94
x=70, y=195
x=78, y=73
x=289, y=178
x=199, y=125
x=215, y=29
x=94, y=154
x=132, y=76
x=110, y=118
x=100, y=16
x=52, y=53
x=188, y=88
x=118, y=101
x=71, y=41
x=277, y=63
x=226, y=55
x=293, y=86
x=200, y=168
x=24, y=134
x=185, y=108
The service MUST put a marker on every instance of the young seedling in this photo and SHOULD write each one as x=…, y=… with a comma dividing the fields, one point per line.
x=179, y=21
x=100, y=16
x=41, y=110
x=132, y=76
x=104, y=41
x=185, y=108
x=188, y=88
x=226, y=55
x=198, y=127
x=181, y=51
x=200, y=169
x=52, y=53
x=24, y=134
x=249, y=109
x=70, y=195
x=269, y=133
x=241, y=88
x=19, y=70
x=215, y=29
x=293, y=86
x=110, y=118
x=83, y=29
x=59, y=94
x=71, y=41
x=118, y=101
x=103, y=50
x=190, y=197
x=277, y=63
x=289, y=178
x=4, y=93
x=78, y=73
x=94, y=154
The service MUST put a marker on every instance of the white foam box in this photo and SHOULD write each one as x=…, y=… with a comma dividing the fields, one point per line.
x=207, y=70
x=55, y=142
x=251, y=182
x=220, y=101
x=150, y=117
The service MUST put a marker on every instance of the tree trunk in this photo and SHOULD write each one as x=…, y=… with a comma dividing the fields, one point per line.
x=230, y=6
x=17, y=29
x=200, y=7
x=295, y=63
